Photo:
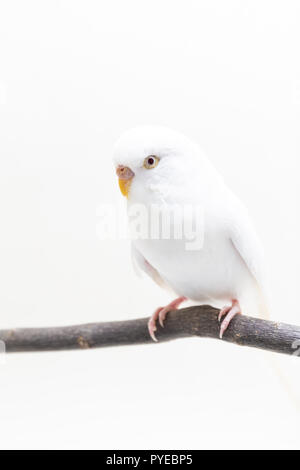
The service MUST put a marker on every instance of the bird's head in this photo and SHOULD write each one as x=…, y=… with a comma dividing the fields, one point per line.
x=150, y=160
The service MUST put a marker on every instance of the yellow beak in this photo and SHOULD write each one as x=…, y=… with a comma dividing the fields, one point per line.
x=124, y=186
x=125, y=175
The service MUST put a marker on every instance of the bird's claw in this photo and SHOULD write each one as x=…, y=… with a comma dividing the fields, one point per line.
x=160, y=314
x=223, y=312
x=152, y=328
x=230, y=312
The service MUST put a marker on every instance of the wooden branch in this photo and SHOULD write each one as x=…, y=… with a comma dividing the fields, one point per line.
x=193, y=321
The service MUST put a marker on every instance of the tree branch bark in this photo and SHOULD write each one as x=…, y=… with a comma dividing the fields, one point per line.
x=193, y=321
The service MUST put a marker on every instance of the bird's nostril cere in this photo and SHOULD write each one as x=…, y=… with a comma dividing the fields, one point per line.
x=124, y=172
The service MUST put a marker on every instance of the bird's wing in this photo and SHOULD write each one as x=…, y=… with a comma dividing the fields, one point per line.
x=141, y=264
x=247, y=244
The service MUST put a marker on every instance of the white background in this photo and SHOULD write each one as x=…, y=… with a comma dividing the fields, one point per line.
x=73, y=75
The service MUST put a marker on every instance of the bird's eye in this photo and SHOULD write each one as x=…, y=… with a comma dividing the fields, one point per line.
x=151, y=162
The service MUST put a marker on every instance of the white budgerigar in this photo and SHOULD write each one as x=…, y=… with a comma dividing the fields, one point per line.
x=158, y=166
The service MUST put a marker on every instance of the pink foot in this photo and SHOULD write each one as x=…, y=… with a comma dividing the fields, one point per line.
x=161, y=313
x=230, y=312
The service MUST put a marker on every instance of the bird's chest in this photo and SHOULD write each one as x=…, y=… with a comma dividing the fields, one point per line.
x=209, y=271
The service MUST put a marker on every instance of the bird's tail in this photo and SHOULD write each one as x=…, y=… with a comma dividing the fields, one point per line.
x=260, y=305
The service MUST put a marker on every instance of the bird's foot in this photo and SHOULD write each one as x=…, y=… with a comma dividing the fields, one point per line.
x=161, y=313
x=230, y=311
